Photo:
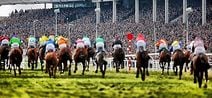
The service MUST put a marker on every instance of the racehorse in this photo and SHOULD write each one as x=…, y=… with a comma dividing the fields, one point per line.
x=80, y=56
x=187, y=58
x=142, y=58
x=42, y=56
x=178, y=58
x=101, y=63
x=91, y=53
x=51, y=63
x=65, y=55
x=4, y=51
x=165, y=57
x=200, y=65
x=15, y=59
x=118, y=58
x=32, y=54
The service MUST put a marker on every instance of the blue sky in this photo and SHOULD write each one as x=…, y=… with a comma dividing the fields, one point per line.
x=5, y=10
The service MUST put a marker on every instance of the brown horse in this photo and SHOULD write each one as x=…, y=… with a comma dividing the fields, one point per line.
x=4, y=51
x=15, y=59
x=80, y=57
x=118, y=58
x=200, y=66
x=178, y=58
x=65, y=55
x=42, y=56
x=165, y=57
x=91, y=53
x=187, y=54
x=142, y=58
x=32, y=55
x=51, y=63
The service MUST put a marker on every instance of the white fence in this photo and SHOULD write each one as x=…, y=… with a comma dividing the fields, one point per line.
x=130, y=62
x=154, y=61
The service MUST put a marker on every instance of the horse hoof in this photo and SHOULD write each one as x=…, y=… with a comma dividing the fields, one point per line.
x=136, y=76
x=205, y=86
x=195, y=81
x=96, y=71
x=74, y=71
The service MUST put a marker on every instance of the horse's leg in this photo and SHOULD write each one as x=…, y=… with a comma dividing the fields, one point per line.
x=54, y=71
x=137, y=72
x=75, y=67
x=65, y=65
x=163, y=64
x=200, y=77
x=195, y=76
x=3, y=66
x=69, y=68
x=36, y=64
x=97, y=65
x=88, y=62
x=19, y=68
x=186, y=66
x=29, y=63
x=32, y=63
x=147, y=71
x=84, y=66
x=181, y=71
x=143, y=74
x=122, y=64
x=104, y=69
x=206, y=79
x=191, y=69
x=14, y=69
x=168, y=68
x=41, y=64
x=117, y=66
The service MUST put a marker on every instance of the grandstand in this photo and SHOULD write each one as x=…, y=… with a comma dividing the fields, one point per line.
x=81, y=14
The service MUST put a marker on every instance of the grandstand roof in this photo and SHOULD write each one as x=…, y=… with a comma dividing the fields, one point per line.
x=12, y=2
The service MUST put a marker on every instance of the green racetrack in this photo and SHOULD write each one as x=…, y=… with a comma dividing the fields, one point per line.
x=36, y=84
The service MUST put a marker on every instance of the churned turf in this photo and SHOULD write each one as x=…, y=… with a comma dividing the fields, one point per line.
x=36, y=84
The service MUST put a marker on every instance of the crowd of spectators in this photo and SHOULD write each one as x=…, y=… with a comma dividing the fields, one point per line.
x=82, y=20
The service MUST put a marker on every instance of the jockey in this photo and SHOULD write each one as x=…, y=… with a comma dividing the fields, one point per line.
x=80, y=43
x=4, y=40
x=43, y=40
x=140, y=41
x=87, y=41
x=189, y=47
x=162, y=44
x=175, y=45
x=31, y=42
x=117, y=43
x=62, y=42
x=100, y=43
x=199, y=46
x=50, y=45
x=14, y=43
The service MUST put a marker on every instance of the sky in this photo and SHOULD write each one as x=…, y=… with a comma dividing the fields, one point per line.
x=5, y=10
